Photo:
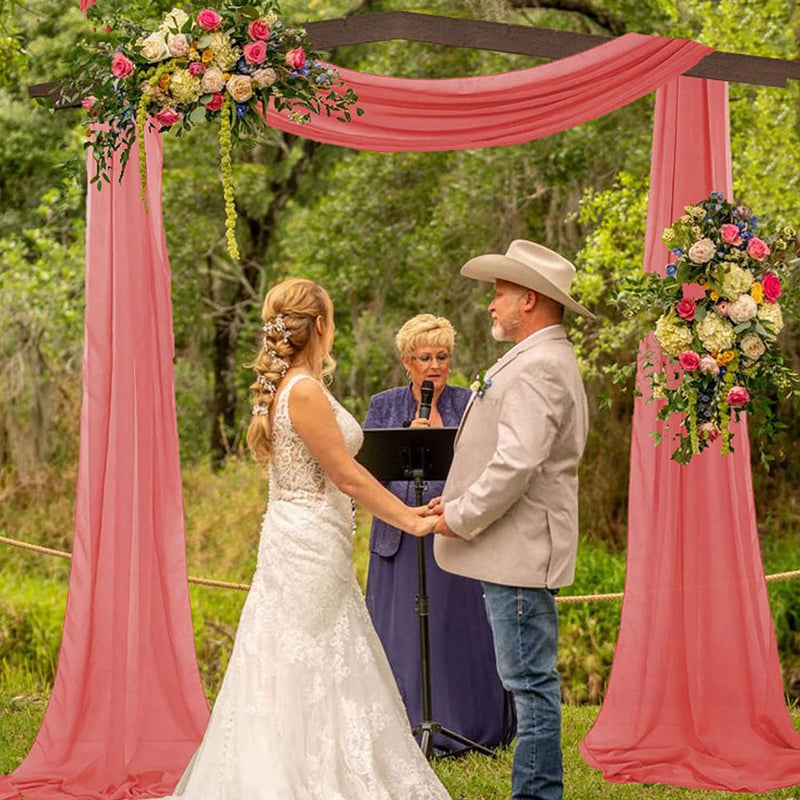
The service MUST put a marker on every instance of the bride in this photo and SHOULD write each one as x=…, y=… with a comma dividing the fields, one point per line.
x=308, y=708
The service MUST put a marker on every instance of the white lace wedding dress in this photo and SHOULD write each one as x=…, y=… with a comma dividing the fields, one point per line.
x=308, y=709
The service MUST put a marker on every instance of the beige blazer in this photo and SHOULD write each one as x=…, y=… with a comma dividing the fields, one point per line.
x=512, y=491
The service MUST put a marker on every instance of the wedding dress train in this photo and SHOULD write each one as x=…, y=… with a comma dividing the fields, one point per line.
x=308, y=708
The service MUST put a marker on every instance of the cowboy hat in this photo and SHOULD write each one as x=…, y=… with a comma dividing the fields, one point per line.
x=530, y=265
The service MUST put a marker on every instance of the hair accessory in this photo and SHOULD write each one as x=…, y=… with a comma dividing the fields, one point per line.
x=275, y=326
x=260, y=410
x=267, y=384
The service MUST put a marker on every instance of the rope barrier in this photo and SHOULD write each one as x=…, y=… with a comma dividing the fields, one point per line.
x=574, y=598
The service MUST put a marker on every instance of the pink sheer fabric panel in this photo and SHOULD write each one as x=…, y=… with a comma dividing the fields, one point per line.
x=695, y=696
x=86, y=5
x=127, y=709
x=404, y=114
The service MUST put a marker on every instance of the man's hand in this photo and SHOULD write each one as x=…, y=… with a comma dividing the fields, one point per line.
x=436, y=505
x=443, y=529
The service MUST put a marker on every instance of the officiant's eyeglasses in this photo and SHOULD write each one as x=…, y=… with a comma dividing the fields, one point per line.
x=427, y=358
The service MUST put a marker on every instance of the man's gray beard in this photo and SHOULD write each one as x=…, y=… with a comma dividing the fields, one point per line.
x=499, y=333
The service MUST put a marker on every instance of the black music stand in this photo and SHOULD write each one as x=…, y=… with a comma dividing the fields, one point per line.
x=416, y=454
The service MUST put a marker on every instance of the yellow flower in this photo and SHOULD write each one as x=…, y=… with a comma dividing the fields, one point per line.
x=164, y=81
x=474, y=386
x=714, y=296
x=207, y=56
x=757, y=292
x=725, y=358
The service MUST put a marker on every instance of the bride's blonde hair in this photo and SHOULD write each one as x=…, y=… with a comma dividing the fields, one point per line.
x=290, y=313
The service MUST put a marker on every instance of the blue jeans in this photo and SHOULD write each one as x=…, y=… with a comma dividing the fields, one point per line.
x=524, y=624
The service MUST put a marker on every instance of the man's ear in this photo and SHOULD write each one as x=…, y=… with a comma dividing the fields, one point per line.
x=529, y=300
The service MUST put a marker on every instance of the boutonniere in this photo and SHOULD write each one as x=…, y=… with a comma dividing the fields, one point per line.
x=480, y=384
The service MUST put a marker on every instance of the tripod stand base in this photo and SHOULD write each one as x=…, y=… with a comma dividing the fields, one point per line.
x=427, y=729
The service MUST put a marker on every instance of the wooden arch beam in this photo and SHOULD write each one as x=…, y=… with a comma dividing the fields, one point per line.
x=501, y=38
x=523, y=40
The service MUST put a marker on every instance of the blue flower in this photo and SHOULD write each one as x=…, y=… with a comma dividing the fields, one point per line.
x=704, y=398
x=241, y=109
x=722, y=371
x=747, y=235
x=672, y=270
x=676, y=251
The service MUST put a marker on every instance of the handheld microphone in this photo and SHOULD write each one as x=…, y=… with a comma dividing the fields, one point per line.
x=425, y=399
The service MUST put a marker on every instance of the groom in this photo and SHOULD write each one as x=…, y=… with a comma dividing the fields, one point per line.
x=510, y=504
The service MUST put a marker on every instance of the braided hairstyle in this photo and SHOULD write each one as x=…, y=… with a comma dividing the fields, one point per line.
x=290, y=336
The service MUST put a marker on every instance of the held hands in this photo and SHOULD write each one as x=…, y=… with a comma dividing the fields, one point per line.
x=431, y=519
x=426, y=521
x=419, y=422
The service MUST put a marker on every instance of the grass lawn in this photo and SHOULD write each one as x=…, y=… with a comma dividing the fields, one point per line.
x=473, y=777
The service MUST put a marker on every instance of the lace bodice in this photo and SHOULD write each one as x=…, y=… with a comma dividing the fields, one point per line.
x=294, y=473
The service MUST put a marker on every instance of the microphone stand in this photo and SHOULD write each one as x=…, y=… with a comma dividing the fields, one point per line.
x=414, y=454
x=427, y=727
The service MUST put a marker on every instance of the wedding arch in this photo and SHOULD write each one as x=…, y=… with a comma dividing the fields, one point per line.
x=695, y=696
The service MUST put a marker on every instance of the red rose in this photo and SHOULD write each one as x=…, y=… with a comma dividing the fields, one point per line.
x=689, y=360
x=167, y=117
x=738, y=397
x=255, y=52
x=258, y=30
x=685, y=309
x=209, y=20
x=216, y=102
x=771, y=284
x=196, y=68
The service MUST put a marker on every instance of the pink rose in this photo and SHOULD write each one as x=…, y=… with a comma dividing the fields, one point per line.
x=258, y=30
x=730, y=234
x=689, y=360
x=709, y=366
x=738, y=397
x=196, y=68
x=121, y=67
x=209, y=20
x=167, y=117
x=296, y=58
x=255, y=52
x=216, y=102
x=88, y=102
x=771, y=284
x=757, y=249
x=685, y=309
x=722, y=308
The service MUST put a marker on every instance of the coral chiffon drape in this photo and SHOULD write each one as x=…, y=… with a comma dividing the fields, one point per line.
x=695, y=696
x=127, y=709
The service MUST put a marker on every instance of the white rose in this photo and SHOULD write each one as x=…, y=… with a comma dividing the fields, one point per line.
x=240, y=88
x=771, y=314
x=175, y=20
x=178, y=45
x=264, y=77
x=213, y=80
x=702, y=251
x=752, y=346
x=742, y=309
x=154, y=47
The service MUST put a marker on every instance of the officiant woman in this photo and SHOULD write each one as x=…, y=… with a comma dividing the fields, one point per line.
x=467, y=696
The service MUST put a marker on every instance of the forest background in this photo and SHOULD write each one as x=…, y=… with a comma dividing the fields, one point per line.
x=386, y=234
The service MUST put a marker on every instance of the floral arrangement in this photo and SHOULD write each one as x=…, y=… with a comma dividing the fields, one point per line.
x=719, y=313
x=223, y=65
x=481, y=384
